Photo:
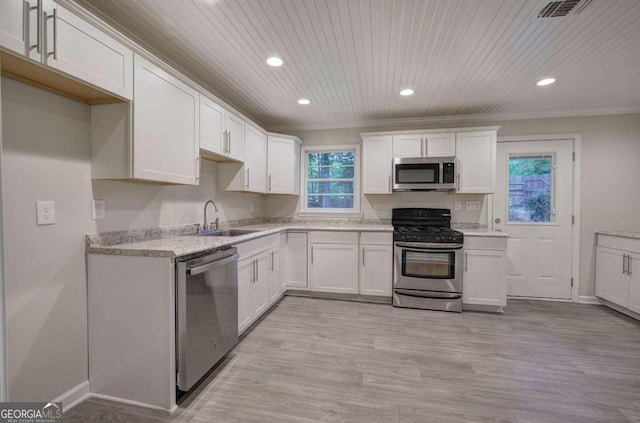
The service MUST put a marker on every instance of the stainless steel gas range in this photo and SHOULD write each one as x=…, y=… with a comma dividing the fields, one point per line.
x=427, y=255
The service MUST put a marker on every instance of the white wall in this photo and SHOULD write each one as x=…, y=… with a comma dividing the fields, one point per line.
x=609, y=183
x=46, y=156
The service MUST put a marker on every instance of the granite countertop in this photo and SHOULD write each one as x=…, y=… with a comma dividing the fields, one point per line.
x=180, y=241
x=621, y=234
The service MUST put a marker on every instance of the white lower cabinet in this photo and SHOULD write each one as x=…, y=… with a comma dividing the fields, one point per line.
x=484, y=273
x=246, y=269
x=376, y=263
x=617, y=281
x=275, y=279
x=333, y=262
x=295, y=269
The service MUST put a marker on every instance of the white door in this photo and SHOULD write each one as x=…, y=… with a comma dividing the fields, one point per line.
x=91, y=55
x=261, y=284
x=235, y=136
x=255, y=160
x=376, y=273
x=19, y=23
x=275, y=283
x=246, y=274
x=334, y=268
x=612, y=282
x=534, y=203
x=296, y=260
x=376, y=165
x=441, y=145
x=476, y=156
x=211, y=126
x=408, y=146
x=633, y=261
x=483, y=279
x=281, y=165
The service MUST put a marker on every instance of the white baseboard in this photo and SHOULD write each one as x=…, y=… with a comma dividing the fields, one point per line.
x=74, y=396
x=588, y=299
x=134, y=403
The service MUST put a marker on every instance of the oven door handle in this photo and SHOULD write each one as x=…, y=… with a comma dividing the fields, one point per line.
x=428, y=294
x=428, y=246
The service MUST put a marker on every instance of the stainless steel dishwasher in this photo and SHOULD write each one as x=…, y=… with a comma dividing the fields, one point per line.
x=207, y=313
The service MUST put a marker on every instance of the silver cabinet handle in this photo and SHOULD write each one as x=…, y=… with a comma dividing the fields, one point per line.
x=390, y=183
x=229, y=138
x=624, y=264
x=629, y=260
x=257, y=271
x=269, y=183
x=312, y=254
x=27, y=11
x=246, y=184
x=458, y=187
x=197, y=167
x=54, y=53
x=272, y=262
x=363, y=256
x=466, y=261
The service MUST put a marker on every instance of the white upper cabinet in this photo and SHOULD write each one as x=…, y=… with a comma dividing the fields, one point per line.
x=250, y=176
x=283, y=161
x=440, y=145
x=235, y=134
x=424, y=145
x=476, y=157
x=408, y=145
x=49, y=33
x=155, y=138
x=376, y=164
x=212, y=132
x=83, y=51
x=20, y=27
x=166, y=126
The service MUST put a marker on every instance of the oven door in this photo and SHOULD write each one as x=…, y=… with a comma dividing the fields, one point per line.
x=427, y=267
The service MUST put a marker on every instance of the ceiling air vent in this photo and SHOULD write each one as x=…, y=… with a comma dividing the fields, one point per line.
x=556, y=9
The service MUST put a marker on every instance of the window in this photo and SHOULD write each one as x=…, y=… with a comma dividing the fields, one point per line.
x=531, y=188
x=331, y=180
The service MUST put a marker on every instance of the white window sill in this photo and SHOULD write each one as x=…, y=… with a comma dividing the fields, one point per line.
x=329, y=214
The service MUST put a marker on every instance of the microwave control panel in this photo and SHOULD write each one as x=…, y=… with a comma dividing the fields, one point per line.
x=448, y=173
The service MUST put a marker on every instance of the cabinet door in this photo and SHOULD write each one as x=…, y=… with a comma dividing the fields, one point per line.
x=634, y=282
x=296, y=260
x=85, y=52
x=19, y=22
x=476, y=154
x=441, y=145
x=255, y=160
x=408, y=146
x=261, y=284
x=165, y=126
x=611, y=283
x=334, y=268
x=281, y=164
x=246, y=274
x=275, y=281
x=376, y=270
x=376, y=165
x=484, y=279
x=282, y=256
x=235, y=136
x=211, y=127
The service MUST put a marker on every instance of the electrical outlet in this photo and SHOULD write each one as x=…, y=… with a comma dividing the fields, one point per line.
x=45, y=213
x=98, y=209
x=457, y=205
x=473, y=205
x=376, y=207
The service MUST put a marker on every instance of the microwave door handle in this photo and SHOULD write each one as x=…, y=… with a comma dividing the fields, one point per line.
x=428, y=246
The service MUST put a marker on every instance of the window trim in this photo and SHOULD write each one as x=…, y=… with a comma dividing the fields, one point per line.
x=353, y=212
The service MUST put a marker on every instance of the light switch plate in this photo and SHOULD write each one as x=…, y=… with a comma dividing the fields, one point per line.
x=473, y=205
x=457, y=205
x=45, y=212
x=98, y=209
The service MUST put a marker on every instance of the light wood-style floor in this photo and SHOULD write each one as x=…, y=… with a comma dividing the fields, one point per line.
x=313, y=360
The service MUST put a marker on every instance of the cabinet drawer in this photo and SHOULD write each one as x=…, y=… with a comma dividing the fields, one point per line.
x=256, y=246
x=376, y=238
x=618, y=243
x=329, y=237
x=485, y=243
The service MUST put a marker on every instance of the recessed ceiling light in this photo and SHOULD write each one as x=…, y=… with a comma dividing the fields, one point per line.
x=546, y=81
x=408, y=91
x=304, y=101
x=274, y=61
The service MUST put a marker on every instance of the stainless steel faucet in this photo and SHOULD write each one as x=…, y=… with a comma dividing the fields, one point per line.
x=204, y=225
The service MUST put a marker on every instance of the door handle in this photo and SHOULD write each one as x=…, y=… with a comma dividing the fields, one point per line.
x=466, y=261
x=629, y=260
x=624, y=264
x=27, y=11
x=272, y=262
x=246, y=184
x=54, y=53
x=390, y=183
x=229, y=138
x=312, y=254
x=269, y=183
x=363, y=256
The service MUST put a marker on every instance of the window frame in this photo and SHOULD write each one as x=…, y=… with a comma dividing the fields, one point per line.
x=304, y=172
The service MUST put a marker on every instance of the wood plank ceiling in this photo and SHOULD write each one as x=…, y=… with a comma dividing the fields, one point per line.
x=352, y=57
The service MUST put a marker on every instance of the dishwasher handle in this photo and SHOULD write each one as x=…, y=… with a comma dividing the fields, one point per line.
x=206, y=267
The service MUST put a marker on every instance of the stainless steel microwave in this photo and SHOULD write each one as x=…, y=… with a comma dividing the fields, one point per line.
x=424, y=174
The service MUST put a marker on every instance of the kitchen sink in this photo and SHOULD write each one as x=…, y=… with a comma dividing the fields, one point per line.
x=225, y=232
